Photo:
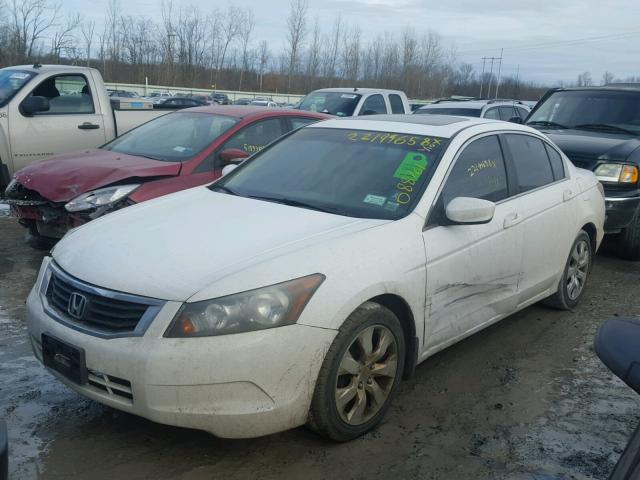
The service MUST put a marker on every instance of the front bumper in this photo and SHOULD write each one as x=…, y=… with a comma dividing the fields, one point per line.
x=620, y=212
x=234, y=386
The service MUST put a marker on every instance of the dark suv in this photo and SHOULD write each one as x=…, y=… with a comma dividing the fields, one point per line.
x=220, y=98
x=598, y=128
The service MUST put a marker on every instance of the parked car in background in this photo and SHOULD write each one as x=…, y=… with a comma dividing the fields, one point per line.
x=242, y=101
x=122, y=94
x=507, y=110
x=302, y=286
x=220, y=98
x=178, y=151
x=204, y=99
x=353, y=102
x=264, y=103
x=39, y=119
x=598, y=128
x=179, y=102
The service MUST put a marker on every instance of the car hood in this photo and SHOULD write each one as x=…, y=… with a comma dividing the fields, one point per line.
x=174, y=246
x=63, y=177
x=586, y=148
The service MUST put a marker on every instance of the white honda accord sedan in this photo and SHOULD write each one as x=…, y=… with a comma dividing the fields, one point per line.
x=304, y=285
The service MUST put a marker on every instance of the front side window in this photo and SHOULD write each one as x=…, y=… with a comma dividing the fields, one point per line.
x=530, y=160
x=507, y=113
x=492, y=113
x=175, y=137
x=297, y=122
x=355, y=173
x=374, y=105
x=479, y=172
x=256, y=136
x=333, y=103
x=11, y=81
x=67, y=94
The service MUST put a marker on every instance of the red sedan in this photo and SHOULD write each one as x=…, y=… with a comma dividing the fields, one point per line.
x=171, y=153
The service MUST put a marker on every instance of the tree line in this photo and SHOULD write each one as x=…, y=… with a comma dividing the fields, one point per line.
x=188, y=47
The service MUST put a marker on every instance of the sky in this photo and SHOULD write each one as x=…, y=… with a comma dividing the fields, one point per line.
x=546, y=41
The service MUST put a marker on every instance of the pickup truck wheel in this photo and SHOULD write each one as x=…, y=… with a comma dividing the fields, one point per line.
x=628, y=241
x=359, y=375
x=575, y=275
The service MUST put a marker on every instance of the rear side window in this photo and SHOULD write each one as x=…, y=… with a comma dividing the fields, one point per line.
x=523, y=112
x=507, y=113
x=492, y=113
x=396, y=103
x=374, y=105
x=479, y=172
x=530, y=160
x=556, y=163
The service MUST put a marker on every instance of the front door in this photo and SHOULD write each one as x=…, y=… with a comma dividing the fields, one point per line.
x=472, y=270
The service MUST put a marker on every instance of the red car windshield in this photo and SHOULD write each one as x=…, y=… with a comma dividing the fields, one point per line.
x=175, y=137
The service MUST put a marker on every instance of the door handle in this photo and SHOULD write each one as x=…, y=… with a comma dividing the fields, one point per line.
x=88, y=126
x=512, y=219
x=567, y=195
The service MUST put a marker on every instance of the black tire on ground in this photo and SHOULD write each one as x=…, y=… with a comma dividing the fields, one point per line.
x=562, y=299
x=324, y=416
x=39, y=242
x=628, y=241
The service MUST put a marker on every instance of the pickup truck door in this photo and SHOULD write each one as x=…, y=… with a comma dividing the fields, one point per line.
x=73, y=122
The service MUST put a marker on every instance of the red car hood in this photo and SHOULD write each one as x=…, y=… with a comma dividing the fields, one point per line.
x=64, y=177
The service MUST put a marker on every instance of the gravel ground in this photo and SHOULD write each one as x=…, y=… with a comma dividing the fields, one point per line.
x=525, y=399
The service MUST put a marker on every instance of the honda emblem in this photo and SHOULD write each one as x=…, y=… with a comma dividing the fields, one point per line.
x=77, y=305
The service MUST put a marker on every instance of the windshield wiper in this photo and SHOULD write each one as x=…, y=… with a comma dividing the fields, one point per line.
x=605, y=126
x=546, y=123
x=296, y=203
x=224, y=189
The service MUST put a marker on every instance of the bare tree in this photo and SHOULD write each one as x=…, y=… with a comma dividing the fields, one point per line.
x=87, y=29
x=296, y=31
x=584, y=80
x=31, y=20
x=313, y=55
x=263, y=60
x=229, y=30
x=245, y=35
x=64, y=39
x=608, y=77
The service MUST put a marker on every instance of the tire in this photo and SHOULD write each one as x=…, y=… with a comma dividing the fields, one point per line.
x=369, y=377
x=628, y=241
x=39, y=242
x=577, y=268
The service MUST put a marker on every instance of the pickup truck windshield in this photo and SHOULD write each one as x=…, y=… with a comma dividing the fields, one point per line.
x=175, y=137
x=333, y=103
x=354, y=173
x=11, y=81
x=605, y=110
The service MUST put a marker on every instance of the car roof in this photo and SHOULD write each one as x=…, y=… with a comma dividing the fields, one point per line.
x=445, y=126
x=472, y=104
x=47, y=68
x=608, y=87
x=358, y=90
x=248, y=111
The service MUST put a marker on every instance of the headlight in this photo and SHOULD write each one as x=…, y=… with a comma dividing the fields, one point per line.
x=100, y=197
x=11, y=186
x=617, y=173
x=266, y=307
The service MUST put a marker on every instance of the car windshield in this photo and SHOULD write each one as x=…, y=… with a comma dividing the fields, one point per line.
x=354, y=173
x=333, y=103
x=175, y=137
x=464, y=112
x=613, y=111
x=11, y=81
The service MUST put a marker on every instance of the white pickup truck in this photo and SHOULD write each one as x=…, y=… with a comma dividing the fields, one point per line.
x=353, y=102
x=50, y=109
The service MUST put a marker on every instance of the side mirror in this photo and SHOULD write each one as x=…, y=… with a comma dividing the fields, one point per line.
x=616, y=344
x=31, y=105
x=516, y=120
x=470, y=211
x=233, y=155
x=227, y=169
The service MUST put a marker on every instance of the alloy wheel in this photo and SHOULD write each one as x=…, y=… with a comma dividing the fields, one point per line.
x=578, y=269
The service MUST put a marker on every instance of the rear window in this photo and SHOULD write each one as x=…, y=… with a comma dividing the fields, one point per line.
x=531, y=161
x=396, y=103
x=461, y=112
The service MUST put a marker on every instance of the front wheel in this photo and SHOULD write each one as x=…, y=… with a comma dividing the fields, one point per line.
x=628, y=241
x=359, y=375
x=574, y=277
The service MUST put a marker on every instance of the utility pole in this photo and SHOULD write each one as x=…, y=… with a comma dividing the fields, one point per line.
x=484, y=61
x=499, y=70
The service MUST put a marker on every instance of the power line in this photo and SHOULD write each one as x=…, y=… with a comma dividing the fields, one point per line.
x=561, y=43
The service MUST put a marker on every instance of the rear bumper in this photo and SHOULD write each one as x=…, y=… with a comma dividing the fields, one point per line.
x=620, y=212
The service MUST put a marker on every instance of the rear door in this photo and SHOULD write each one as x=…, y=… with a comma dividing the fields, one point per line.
x=472, y=270
x=544, y=205
x=73, y=121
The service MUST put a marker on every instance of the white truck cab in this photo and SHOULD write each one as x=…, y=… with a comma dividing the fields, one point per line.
x=353, y=102
x=46, y=110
